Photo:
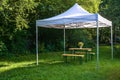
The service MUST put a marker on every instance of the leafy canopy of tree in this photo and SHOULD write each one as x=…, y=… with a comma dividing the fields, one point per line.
x=110, y=9
x=14, y=22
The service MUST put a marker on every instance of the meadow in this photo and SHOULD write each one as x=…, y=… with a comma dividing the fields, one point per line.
x=52, y=67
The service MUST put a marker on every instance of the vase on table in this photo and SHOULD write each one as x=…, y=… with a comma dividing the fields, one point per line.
x=80, y=44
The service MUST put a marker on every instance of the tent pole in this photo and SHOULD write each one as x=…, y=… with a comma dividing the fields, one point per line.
x=36, y=45
x=111, y=43
x=97, y=24
x=64, y=39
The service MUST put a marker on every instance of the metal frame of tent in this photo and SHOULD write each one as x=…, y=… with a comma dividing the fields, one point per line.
x=64, y=27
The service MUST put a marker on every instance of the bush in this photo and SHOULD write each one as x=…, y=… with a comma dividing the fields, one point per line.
x=3, y=48
x=79, y=35
x=41, y=47
x=117, y=51
x=20, y=42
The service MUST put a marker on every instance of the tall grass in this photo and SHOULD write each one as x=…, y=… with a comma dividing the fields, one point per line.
x=52, y=67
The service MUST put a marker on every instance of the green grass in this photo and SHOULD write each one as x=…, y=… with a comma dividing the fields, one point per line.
x=52, y=67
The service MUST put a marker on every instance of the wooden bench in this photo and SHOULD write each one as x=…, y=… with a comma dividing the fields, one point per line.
x=73, y=55
x=89, y=55
x=80, y=53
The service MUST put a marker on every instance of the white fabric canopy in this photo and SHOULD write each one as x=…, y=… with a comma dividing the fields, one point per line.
x=75, y=17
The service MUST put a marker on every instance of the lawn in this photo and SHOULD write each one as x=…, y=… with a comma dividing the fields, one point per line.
x=52, y=67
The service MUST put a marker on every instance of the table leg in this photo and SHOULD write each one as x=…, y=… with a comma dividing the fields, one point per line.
x=65, y=59
x=81, y=60
x=86, y=56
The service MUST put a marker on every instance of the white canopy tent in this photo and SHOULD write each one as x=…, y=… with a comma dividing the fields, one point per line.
x=75, y=17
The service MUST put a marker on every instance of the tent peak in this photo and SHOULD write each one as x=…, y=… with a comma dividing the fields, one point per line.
x=79, y=9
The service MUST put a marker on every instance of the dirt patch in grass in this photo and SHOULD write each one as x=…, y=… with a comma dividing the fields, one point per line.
x=114, y=74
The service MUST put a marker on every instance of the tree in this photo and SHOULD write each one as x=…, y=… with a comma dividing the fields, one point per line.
x=14, y=19
x=110, y=9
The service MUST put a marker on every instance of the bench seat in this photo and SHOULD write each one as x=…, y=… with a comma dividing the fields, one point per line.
x=79, y=55
x=73, y=55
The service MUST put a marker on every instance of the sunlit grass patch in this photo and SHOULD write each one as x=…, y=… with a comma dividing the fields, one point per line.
x=8, y=66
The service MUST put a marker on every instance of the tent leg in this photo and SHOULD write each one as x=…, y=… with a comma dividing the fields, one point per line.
x=36, y=45
x=64, y=39
x=111, y=43
x=97, y=63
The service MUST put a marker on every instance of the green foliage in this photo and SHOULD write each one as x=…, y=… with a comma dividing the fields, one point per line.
x=3, y=48
x=17, y=24
x=110, y=9
x=117, y=51
x=105, y=35
x=41, y=47
x=19, y=43
x=14, y=18
x=75, y=36
x=90, y=5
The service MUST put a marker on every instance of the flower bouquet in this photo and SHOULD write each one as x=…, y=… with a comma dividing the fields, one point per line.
x=80, y=44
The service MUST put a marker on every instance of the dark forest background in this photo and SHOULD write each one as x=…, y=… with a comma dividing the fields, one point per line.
x=18, y=22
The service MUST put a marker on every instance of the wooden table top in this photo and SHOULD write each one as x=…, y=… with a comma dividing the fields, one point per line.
x=87, y=49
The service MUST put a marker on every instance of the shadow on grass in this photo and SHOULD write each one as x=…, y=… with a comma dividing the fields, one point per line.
x=3, y=65
x=18, y=57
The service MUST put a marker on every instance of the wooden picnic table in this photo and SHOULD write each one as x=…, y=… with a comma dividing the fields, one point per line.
x=86, y=51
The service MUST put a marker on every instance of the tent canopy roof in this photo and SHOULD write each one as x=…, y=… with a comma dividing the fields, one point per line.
x=75, y=17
